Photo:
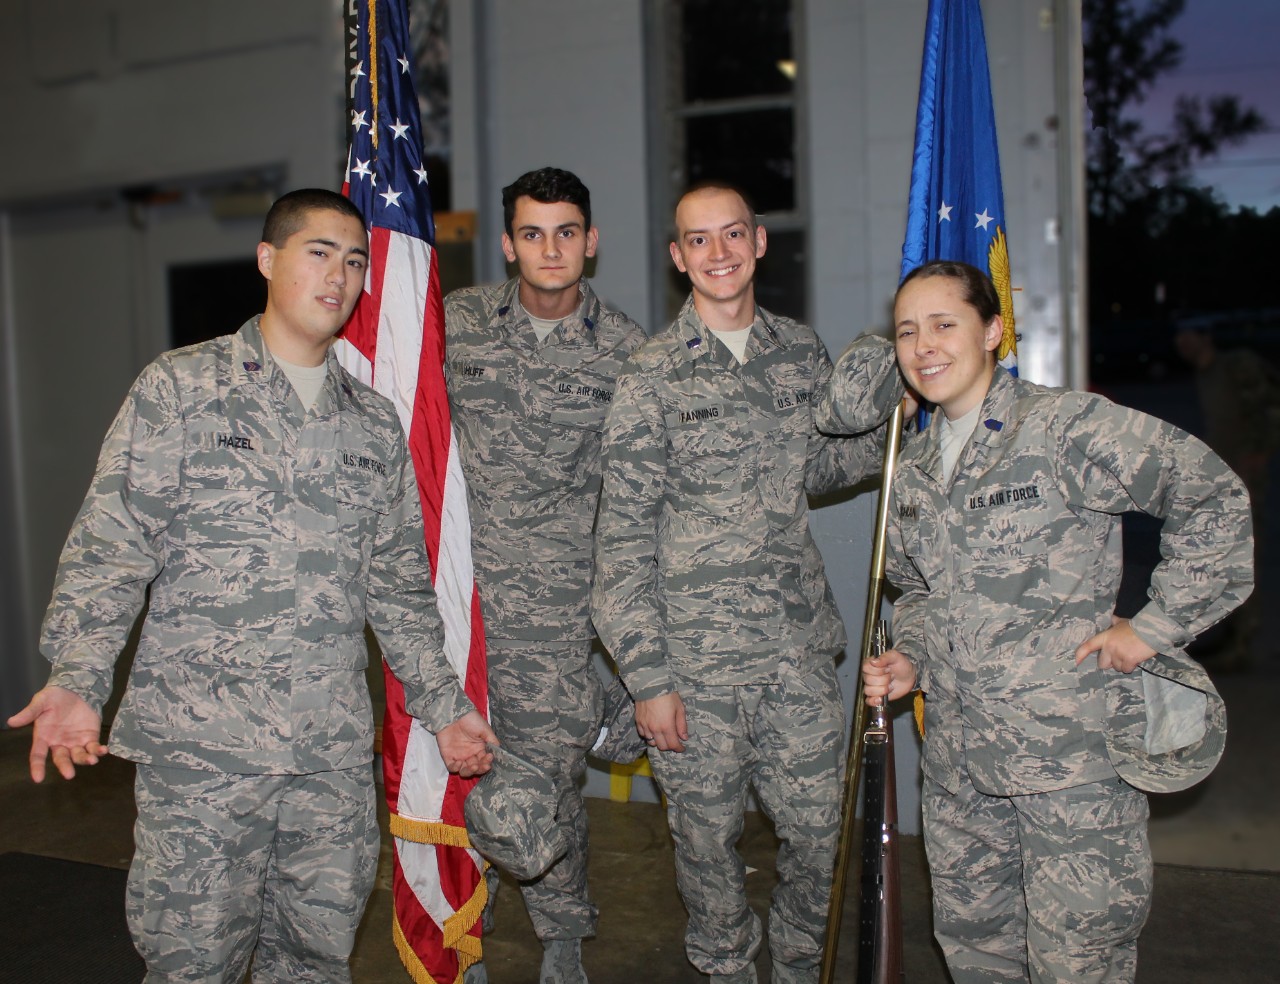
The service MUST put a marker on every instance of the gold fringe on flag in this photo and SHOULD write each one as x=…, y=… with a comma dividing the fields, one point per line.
x=413, y=966
x=998, y=265
x=455, y=933
x=428, y=832
x=455, y=936
x=456, y=927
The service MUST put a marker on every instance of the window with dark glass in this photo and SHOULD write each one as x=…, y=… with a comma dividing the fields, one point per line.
x=726, y=97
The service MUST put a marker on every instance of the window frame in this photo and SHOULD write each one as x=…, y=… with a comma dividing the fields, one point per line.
x=668, y=113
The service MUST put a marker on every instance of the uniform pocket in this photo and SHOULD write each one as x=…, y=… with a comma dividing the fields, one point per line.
x=706, y=453
x=479, y=404
x=362, y=501
x=233, y=491
x=1006, y=573
x=572, y=449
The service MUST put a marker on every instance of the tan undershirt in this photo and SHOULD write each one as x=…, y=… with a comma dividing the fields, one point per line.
x=735, y=341
x=306, y=380
x=955, y=435
x=542, y=327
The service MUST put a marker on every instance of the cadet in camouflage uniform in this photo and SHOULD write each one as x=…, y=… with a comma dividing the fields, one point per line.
x=266, y=499
x=530, y=367
x=710, y=592
x=1004, y=537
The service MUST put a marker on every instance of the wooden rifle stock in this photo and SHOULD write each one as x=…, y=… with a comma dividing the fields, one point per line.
x=853, y=761
x=880, y=912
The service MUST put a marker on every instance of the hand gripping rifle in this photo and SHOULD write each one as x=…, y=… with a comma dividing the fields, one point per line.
x=880, y=922
x=880, y=914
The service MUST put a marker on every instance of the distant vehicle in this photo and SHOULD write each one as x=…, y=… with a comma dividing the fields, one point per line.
x=1142, y=350
x=1255, y=328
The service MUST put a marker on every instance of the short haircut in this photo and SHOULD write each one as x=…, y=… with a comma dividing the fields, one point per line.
x=714, y=184
x=290, y=211
x=547, y=185
x=979, y=291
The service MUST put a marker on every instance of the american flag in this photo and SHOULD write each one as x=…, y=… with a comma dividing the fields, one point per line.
x=395, y=342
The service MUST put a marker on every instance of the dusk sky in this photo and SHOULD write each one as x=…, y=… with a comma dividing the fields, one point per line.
x=1230, y=47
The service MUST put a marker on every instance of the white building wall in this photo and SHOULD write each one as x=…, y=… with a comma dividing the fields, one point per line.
x=862, y=66
x=556, y=83
x=159, y=91
x=114, y=93
x=103, y=96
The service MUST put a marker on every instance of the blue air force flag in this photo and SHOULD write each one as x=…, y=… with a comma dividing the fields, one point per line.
x=955, y=208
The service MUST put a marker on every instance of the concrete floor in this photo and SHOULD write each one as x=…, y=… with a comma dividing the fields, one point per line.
x=1220, y=927
x=1230, y=821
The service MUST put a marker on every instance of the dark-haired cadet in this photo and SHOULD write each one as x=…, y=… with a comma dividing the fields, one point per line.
x=530, y=366
x=1039, y=735
x=266, y=499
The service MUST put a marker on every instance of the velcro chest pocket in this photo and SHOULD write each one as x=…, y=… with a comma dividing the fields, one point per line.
x=705, y=449
x=233, y=490
x=788, y=391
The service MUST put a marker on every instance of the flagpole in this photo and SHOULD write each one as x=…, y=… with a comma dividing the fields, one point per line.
x=853, y=760
x=394, y=341
x=955, y=211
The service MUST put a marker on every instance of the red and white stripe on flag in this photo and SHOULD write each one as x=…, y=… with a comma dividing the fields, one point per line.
x=395, y=342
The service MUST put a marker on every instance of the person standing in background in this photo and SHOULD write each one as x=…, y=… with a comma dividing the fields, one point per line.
x=530, y=367
x=1239, y=397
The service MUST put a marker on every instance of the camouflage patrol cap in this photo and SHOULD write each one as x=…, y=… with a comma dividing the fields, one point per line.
x=1167, y=724
x=511, y=819
x=619, y=741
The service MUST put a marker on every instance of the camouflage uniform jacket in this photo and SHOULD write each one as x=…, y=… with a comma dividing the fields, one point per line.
x=1006, y=571
x=705, y=566
x=529, y=417
x=267, y=537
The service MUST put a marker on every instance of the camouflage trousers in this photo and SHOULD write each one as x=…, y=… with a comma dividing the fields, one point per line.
x=545, y=706
x=784, y=740
x=229, y=867
x=1042, y=887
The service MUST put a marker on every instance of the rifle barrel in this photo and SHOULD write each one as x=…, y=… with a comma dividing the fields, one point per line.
x=853, y=760
x=880, y=914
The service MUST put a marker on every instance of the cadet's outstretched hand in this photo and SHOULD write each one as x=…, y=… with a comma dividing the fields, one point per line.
x=1118, y=647
x=660, y=722
x=888, y=675
x=464, y=745
x=66, y=727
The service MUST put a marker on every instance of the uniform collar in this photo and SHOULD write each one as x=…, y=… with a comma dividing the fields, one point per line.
x=577, y=329
x=700, y=343
x=997, y=409
x=989, y=433
x=252, y=365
